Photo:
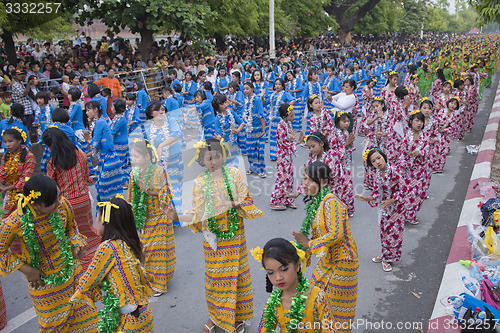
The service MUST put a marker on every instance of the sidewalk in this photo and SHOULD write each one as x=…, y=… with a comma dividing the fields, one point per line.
x=451, y=283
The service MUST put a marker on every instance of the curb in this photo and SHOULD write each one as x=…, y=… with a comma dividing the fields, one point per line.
x=440, y=321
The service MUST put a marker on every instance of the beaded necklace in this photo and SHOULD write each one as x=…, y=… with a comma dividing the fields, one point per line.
x=276, y=98
x=247, y=114
x=232, y=122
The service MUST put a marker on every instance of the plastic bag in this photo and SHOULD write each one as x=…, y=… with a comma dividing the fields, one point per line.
x=492, y=242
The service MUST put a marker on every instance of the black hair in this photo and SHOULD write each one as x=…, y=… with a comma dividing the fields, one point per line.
x=339, y=117
x=217, y=101
x=190, y=73
x=16, y=110
x=212, y=144
x=200, y=93
x=311, y=71
x=75, y=94
x=143, y=148
x=282, y=251
x=427, y=101
x=154, y=106
x=250, y=84
x=93, y=90
x=43, y=184
x=447, y=82
x=390, y=76
x=310, y=101
x=130, y=97
x=417, y=115
x=352, y=83
x=253, y=73
x=282, y=83
x=122, y=226
x=94, y=105
x=471, y=79
x=401, y=92
x=17, y=136
x=172, y=71
x=453, y=99
x=177, y=88
x=120, y=106
x=207, y=85
x=60, y=115
x=318, y=171
x=106, y=91
x=370, y=80
x=373, y=151
x=381, y=101
x=319, y=137
x=234, y=85
x=457, y=83
x=139, y=85
x=440, y=75
x=62, y=150
x=283, y=110
x=42, y=95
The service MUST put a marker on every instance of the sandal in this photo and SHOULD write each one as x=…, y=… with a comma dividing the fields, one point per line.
x=273, y=207
x=240, y=328
x=292, y=205
x=377, y=259
x=209, y=329
x=414, y=222
x=262, y=175
x=386, y=266
x=249, y=171
x=157, y=294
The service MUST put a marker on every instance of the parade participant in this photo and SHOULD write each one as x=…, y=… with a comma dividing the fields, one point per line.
x=277, y=98
x=60, y=120
x=342, y=142
x=220, y=203
x=43, y=112
x=133, y=113
x=110, y=178
x=430, y=129
x=51, y=248
x=472, y=105
x=366, y=110
x=142, y=99
x=295, y=88
x=312, y=88
x=117, y=271
x=205, y=112
x=336, y=272
x=119, y=131
x=16, y=120
x=389, y=195
x=69, y=169
x=222, y=81
x=228, y=125
x=253, y=116
x=236, y=98
x=164, y=134
x=149, y=185
x=294, y=305
x=321, y=120
x=346, y=101
x=413, y=160
x=414, y=93
x=287, y=145
x=188, y=89
x=447, y=124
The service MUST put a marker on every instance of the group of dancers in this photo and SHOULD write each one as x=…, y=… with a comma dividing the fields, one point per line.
x=137, y=145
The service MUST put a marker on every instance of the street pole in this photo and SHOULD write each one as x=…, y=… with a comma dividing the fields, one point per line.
x=272, y=50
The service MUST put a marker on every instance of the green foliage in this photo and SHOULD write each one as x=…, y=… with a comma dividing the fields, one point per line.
x=413, y=16
x=488, y=11
x=26, y=20
x=234, y=17
x=439, y=20
x=307, y=17
x=381, y=19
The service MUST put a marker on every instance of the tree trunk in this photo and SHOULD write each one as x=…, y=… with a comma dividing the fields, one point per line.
x=345, y=36
x=219, y=42
x=10, y=47
x=146, y=43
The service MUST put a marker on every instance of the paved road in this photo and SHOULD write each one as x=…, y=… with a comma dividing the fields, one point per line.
x=384, y=299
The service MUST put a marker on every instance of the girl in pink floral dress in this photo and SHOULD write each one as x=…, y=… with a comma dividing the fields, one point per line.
x=414, y=93
x=367, y=110
x=286, y=147
x=472, y=103
x=321, y=120
x=447, y=119
x=431, y=130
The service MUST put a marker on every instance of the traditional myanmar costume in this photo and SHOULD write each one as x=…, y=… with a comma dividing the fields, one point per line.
x=337, y=269
x=155, y=230
x=55, y=312
x=116, y=264
x=228, y=283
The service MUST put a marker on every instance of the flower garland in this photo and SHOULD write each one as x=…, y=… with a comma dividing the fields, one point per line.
x=276, y=97
x=209, y=205
x=311, y=89
x=247, y=114
x=33, y=247
x=232, y=122
x=110, y=314
x=130, y=112
x=311, y=209
x=296, y=312
x=11, y=166
x=163, y=133
x=140, y=197
x=116, y=119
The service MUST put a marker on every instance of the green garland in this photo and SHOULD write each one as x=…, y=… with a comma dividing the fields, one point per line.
x=297, y=307
x=209, y=205
x=33, y=247
x=311, y=209
x=140, y=197
x=110, y=314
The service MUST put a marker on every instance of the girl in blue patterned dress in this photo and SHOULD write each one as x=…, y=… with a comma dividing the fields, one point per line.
x=295, y=88
x=253, y=116
x=43, y=119
x=110, y=177
x=119, y=131
x=222, y=81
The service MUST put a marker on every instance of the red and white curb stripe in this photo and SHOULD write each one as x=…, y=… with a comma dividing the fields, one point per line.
x=451, y=283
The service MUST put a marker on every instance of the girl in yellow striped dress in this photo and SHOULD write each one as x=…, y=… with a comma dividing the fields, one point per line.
x=149, y=185
x=337, y=270
x=294, y=306
x=50, y=245
x=220, y=203
x=116, y=270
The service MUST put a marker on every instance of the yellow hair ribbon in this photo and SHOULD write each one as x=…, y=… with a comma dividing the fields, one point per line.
x=313, y=96
x=106, y=214
x=377, y=98
x=365, y=154
x=224, y=149
x=457, y=98
x=26, y=200
x=414, y=76
x=290, y=109
x=199, y=145
x=414, y=112
x=154, y=151
x=119, y=196
x=302, y=257
x=393, y=73
x=257, y=253
x=374, y=80
x=450, y=82
x=340, y=113
x=424, y=99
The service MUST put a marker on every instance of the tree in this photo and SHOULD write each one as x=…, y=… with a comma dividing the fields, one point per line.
x=18, y=20
x=307, y=17
x=381, y=19
x=347, y=13
x=146, y=17
x=412, y=19
x=488, y=11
